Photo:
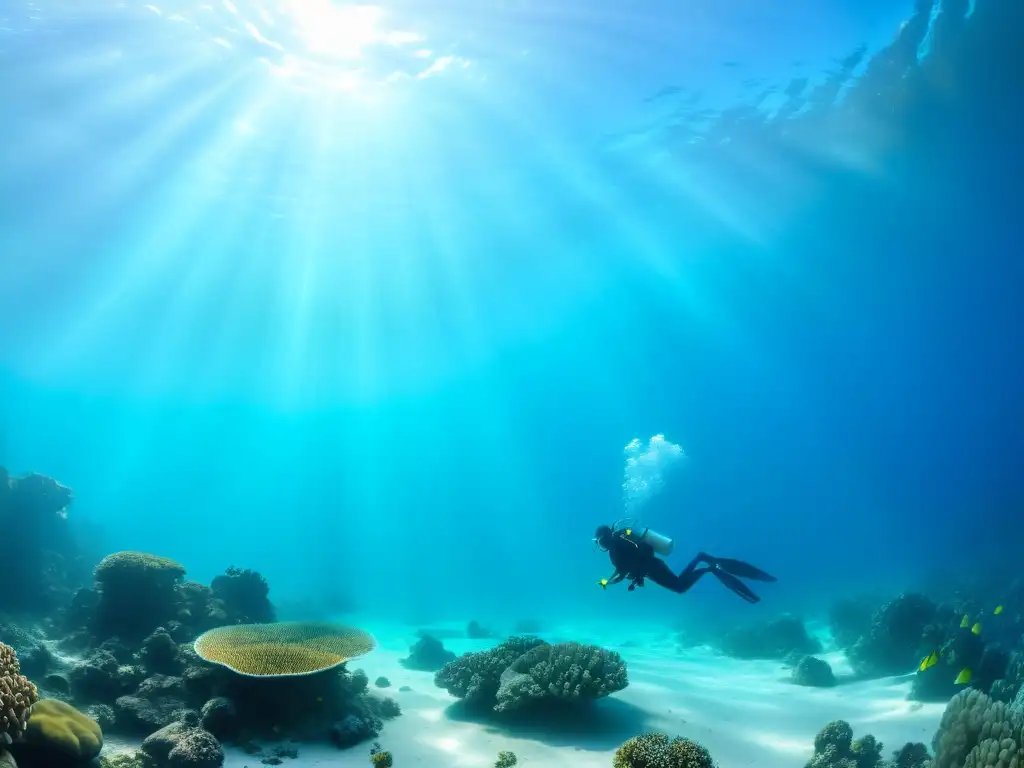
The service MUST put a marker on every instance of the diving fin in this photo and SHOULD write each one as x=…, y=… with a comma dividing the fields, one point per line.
x=742, y=569
x=736, y=585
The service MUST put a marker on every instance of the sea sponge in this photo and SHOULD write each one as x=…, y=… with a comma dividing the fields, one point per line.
x=566, y=671
x=60, y=728
x=656, y=750
x=285, y=649
x=17, y=695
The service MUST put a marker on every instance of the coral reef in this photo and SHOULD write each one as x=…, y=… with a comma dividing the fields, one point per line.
x=287, y=648
x=17, y=695
x=42, y=572
x=777, y=639
x=896, y=639
x=522, y=671
x=244, y=596
x=835, y=747
x=183, y=744
x=427, y=654
x=656, y=750
x=566, y=672
x=813, y=672
x=977, y=732
x=849, y=619
x=136, y=594
x=475, y=677
x=58, y=734
x=911, y=755
x=506, y=759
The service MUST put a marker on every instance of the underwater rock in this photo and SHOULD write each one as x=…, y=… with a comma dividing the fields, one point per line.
x=353, y=729
x=159, y=701
x=159, y=653
x=777, y=639
x=849, y=619
x=476, y=631
x=44, y=569
x=382, y=682
x=896, y=640
x=244, y=595
x=95, y=679
x=137, y=594
x=220, y=717
x=813, y=672
x=183, y=744
x=428, y=654
x=103, y=714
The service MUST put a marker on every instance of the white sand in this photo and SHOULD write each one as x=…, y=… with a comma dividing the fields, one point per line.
x=745, y=712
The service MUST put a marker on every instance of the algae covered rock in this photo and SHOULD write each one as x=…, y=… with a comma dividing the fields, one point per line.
x=813, y=672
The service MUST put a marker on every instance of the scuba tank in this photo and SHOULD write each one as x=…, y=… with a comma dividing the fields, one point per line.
x=663, y=545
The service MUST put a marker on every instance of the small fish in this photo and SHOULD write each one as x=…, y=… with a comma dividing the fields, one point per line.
x=998, y=610
x=603, y=583
x=976, y=629
x=929, y=661
x=965, y=622
x=964, y=677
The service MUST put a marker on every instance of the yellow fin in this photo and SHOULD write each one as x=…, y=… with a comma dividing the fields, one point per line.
x=929, y=661
x=965, y=622
x=964, y=677
x=998, y=610
x=976, y=629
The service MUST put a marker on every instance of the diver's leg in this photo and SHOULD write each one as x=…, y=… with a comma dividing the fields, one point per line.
x=737, y=586
x=742, y=569
x=662, y=575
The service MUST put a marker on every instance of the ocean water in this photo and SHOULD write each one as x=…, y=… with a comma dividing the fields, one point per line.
x=374, y=299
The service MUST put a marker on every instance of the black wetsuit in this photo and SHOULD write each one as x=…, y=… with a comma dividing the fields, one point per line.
x=636, y=560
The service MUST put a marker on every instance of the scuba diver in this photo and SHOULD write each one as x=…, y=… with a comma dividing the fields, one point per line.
x=634, y=553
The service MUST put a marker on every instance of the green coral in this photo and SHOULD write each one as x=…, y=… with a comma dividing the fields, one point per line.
x=656, y=750
x=506, y=759
x=381, y=760
x=62, y=729
x=566, y=671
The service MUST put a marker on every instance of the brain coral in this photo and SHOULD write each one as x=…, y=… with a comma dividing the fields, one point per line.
x=285, y=649
x=17, y=695
x=62, y=728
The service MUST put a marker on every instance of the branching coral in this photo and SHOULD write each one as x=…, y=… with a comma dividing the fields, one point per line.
x=17, y=695
x=656, y=750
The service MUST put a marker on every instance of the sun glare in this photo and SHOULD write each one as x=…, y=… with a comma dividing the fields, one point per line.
x=343, y=31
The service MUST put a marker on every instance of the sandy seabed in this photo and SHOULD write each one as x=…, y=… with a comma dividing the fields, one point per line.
x=746, y=713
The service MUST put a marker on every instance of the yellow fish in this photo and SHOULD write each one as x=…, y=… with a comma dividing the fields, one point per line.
x=603, y=583
x=629, y=531
x=998, y=610
x=964, y=677
x=964, y=622
x=976, y=629
x=929, y=661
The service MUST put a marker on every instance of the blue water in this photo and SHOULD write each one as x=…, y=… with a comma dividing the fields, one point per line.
x=373, y=304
